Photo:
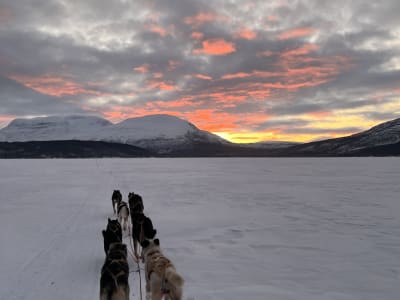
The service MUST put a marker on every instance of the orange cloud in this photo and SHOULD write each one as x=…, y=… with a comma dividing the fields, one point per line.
x=157, y=29
x=54, y=85
x=246, y=33
x=215, y=47
x=211, y=120
x=303, y=50
x=197, y=35
x=204, y=77
x=158, y=75
x=161, y=85
x=295, y=33
x=142, y=69
x=201, y=18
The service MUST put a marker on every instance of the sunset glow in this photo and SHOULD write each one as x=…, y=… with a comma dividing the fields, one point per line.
x=251, y=72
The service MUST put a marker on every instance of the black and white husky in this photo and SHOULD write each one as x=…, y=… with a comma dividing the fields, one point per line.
x=116, y=198
x=137, y=219
x=112, y=234
x=162, y=280
x=123, y=214
x=115, y=274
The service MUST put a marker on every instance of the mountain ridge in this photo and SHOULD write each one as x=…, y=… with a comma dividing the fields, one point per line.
x=165, y=135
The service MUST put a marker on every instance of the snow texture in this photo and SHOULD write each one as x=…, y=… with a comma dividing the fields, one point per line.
x=248, y=228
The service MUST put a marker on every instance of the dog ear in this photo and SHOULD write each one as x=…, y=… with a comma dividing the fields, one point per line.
x=154, y=233
x=109, y=220
x=145, y=243
x=104, y=233
x=157, y=242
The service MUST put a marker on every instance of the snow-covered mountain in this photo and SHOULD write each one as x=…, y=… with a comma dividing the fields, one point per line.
x=159, y=133
x=54, y=128
x=385, y=134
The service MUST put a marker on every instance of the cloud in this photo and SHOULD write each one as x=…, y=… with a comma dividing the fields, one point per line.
x=215, y=47
x=18, y=100
x=296, y=33
x=232, y=66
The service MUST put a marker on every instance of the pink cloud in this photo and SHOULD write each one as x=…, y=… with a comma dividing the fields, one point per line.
x=215, y=47
x=246, y=33
x=297, y=32
x=142, y=69
x=201, y=18
x=204, y=77
x=54, y=85
x=157, y=29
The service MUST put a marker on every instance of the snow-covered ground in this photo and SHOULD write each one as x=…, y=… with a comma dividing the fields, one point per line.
x=235, y=228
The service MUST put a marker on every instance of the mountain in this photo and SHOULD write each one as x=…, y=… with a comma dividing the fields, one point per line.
x=164, y=135
x=53, y=128
x=161, y=134
x=380, y=140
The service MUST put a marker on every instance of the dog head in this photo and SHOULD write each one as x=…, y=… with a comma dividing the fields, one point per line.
x=113, y=225
x=149, y=246
x=148, y=229
x=135, y=202
x=116, y=195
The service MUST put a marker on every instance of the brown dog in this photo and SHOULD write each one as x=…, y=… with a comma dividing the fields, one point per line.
x=161, y=276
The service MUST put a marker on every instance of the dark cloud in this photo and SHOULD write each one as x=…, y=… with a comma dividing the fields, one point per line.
x=18, y=100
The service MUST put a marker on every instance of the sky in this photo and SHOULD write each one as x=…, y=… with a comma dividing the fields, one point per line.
x=288, y=70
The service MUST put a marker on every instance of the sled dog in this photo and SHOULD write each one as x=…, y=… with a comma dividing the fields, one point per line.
x=161, y=276
x=135, y=202
x=123, y=214
x=136, y=209
x=112, y=234
x=114, y=274
x=116, y=198
x=142, y=228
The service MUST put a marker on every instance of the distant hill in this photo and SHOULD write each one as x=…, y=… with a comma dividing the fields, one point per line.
x=69, y=149
x=380, y=140
x=168, y=136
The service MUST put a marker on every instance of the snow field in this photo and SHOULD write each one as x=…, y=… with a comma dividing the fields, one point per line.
x=248, y=228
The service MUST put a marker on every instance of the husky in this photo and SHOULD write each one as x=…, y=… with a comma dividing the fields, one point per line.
x=162, y=280
x=135, y=202
x=116, y=198
x=142, y=228
x=112, y=234
x=123, y=214
x=114, y=274
x=137, y=218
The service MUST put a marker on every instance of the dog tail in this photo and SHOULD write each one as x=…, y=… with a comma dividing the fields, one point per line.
x=174, y=282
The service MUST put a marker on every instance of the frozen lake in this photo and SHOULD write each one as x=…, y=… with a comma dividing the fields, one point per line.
x=235, y=228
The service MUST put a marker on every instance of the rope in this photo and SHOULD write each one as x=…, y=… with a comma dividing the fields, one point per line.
x=135, y=260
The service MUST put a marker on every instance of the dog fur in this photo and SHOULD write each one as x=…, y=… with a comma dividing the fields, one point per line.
x=136, y=209
x=112, y=234
x=123, y=214
x=161, y=276
x=115, y=273
x=142, y=228
x=116, y=198
x=135, y=202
